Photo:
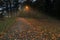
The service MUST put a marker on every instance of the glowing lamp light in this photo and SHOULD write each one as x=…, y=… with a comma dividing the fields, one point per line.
x=27, y=8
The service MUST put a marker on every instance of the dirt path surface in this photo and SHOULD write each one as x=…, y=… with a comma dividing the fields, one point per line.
x=33, y=29
x=15, y=31
x=29, y=29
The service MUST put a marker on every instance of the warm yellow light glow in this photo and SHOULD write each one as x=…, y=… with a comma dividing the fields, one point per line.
x=27, y=8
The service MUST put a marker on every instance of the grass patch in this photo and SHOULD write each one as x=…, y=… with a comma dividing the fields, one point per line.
x=6, y=24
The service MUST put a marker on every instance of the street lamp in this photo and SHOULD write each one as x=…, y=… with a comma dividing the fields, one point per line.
x=26, y=8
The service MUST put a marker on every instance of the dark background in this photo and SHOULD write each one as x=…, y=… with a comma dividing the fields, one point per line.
x=46, y=6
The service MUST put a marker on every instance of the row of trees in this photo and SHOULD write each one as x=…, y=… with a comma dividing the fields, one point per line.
x=10, y=5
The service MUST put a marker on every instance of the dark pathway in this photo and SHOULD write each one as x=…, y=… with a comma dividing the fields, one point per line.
x=23, y=30
x=45, y=28
x=17, y=31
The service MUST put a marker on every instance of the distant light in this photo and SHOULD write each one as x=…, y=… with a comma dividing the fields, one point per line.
x=27, y=8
